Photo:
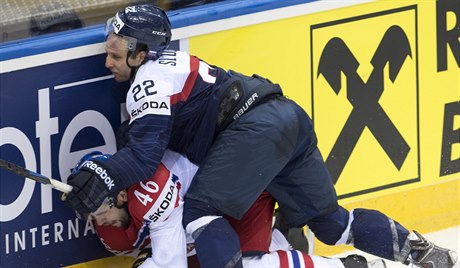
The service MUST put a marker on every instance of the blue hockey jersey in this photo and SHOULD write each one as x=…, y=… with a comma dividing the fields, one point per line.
x=172, y=103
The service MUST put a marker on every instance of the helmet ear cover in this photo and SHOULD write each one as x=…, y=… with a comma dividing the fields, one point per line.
x=125, y=43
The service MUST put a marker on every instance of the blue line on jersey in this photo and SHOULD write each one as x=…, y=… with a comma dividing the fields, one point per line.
x=295, y=258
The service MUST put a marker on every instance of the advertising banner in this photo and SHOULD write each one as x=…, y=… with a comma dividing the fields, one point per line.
x=50, y=116
x=381, y=81
x=365, y=101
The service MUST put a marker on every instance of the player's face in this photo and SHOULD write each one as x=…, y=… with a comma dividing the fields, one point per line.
x=115, y=61
x=113, y=216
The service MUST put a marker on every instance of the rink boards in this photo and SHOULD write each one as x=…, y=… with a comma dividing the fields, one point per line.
x=380, y=79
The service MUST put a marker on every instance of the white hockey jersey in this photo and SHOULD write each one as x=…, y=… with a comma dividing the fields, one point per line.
x=156, y=207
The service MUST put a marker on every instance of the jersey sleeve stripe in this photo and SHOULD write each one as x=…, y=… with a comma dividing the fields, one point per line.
x=308, y=261
x=284, y=262
x=142, y=235
x=295, y=259
x=189, y=83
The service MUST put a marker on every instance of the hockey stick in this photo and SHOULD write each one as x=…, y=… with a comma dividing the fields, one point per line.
x=21, y=171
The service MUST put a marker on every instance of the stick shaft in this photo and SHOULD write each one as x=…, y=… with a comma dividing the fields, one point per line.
x=21, y=171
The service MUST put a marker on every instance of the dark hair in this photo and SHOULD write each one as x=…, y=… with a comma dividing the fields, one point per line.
x=141, y=47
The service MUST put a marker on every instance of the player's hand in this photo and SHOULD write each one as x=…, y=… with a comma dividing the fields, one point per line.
x=91, y=184
x=142, y=256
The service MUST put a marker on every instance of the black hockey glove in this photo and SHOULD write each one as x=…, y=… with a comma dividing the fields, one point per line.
x=91, y=183
x=142, y=256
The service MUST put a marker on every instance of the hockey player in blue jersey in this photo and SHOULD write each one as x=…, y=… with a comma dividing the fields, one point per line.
x=245, y=136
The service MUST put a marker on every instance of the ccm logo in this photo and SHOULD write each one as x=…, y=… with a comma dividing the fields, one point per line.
x=159, y=33
x=102, y=173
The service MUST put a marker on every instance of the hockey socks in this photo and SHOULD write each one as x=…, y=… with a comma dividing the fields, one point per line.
x=216, y=244
x=288, y=259
x=373, y=232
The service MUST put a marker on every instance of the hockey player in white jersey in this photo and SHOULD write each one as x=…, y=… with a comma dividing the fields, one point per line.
x=145, y=221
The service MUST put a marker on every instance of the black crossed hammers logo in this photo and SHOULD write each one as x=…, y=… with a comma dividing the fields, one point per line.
x=364, y=96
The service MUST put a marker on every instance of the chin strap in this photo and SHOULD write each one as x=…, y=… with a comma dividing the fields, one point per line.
x=133, y=69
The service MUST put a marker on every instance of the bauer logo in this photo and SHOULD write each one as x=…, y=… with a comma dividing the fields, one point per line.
x=365, y=99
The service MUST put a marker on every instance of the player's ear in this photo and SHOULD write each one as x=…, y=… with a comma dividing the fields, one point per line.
x=136, y=58
x=139, y=58
x=122, y=197
x=141, y=55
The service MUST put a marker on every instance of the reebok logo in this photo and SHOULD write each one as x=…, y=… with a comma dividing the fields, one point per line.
x=101, y=172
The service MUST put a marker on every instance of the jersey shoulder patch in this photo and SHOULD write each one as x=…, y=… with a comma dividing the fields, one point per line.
x=155, y=83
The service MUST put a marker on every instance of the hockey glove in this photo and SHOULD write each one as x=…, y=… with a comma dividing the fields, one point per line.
x=92, y=183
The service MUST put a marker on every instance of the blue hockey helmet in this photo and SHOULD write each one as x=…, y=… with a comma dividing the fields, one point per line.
x=142, y=24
